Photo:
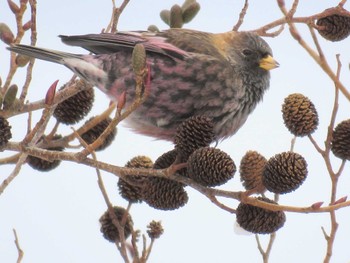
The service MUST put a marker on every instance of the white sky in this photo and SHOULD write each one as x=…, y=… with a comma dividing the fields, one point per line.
x=56, y=214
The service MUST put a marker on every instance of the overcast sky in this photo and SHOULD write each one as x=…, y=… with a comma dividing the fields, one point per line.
x=56, y=214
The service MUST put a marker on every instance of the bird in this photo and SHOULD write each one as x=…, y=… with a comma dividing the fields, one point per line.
x=222, y=76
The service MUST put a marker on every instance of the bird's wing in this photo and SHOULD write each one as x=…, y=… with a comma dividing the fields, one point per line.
x=110, y=43
x=174, y=43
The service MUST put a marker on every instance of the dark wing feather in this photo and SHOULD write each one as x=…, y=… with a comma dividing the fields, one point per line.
x=110, y=43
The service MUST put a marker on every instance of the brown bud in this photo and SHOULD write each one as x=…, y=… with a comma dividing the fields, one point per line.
x=153, y=28
x=341, y=140
x=340, y=200
x=176, y=17
x=190, y=12
x=259, y=220
x=316, y=205
x=299, y=115
x=334, y=27
x=281, y=2
x=22, y=60
x=50, y=94
x=187, y=3
x=6, y=34
x=165, y=16
x=27, y=25
x=10, y=97
x=284, y=172
x=13, y=6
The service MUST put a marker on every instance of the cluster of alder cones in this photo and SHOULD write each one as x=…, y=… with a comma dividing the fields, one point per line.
x=208, y=166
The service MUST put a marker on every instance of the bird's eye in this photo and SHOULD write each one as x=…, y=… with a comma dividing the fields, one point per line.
x=247, y=52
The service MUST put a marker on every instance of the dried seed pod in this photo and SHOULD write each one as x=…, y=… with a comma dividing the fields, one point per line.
x=251, y=171
x=167, y=159
x=334, y=27
x=75, y=108
x=210, y=166
x=133, y=192
x=155, y=229
x=164, y=194
x=284, y=172
x=109, y=230
x=341, y=140
x=299, y=115
x=258, y=220
x=44, y=165
x=5, y=132
x=91, y=135
x=192, y=134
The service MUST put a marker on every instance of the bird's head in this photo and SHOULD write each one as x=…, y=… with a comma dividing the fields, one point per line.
x=248, y=51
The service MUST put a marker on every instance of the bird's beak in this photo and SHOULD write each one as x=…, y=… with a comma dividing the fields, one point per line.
x=268, y=63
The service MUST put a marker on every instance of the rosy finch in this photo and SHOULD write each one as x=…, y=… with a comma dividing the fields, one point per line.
x=221, y=76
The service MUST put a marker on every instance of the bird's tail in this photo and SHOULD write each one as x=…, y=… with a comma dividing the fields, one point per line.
x=41, y=53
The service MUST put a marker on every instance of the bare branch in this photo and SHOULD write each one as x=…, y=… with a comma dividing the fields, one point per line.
x=241, y=16
x=19, y=249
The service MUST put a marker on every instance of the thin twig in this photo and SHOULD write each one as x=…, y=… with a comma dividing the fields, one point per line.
x=317, y=147
x=215, y=201
x=116, y=15
x=21, y=160
x=334, y=177
x=19, y=249
x=11, y=159
x=241, y=16
x=121, y=244
x=149, y=250
x=31, y=62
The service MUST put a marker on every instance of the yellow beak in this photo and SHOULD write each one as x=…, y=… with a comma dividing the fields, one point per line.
x=268, y=63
